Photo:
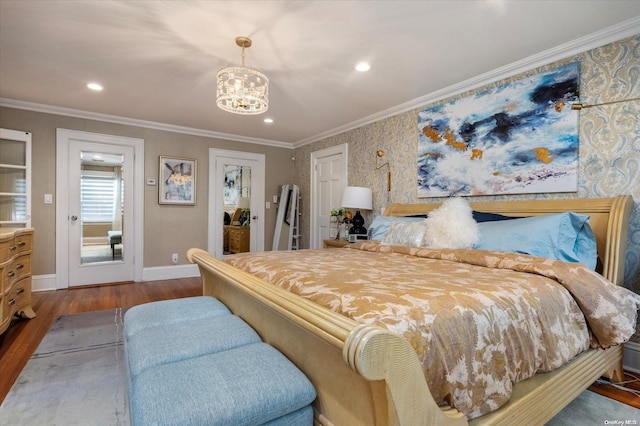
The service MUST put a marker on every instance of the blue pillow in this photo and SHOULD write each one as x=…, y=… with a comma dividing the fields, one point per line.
x=562, y=236
x=380, y=225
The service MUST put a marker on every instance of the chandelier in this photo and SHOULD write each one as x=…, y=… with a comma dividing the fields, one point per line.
x=242, y=90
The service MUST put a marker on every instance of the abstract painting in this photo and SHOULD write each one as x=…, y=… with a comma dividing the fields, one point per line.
x=232, y=185
x=177, y=181
x=520, y=137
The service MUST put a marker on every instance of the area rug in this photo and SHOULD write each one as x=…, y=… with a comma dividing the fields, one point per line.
x=77, y=377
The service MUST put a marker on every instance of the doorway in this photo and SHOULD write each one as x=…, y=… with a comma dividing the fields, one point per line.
x=237, y=188
x=328, y=180
x=99, y=208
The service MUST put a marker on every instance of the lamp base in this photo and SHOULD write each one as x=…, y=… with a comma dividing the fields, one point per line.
x=358, y=222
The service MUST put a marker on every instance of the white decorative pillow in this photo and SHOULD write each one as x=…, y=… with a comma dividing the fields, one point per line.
x=451, y=226
x=405, y=234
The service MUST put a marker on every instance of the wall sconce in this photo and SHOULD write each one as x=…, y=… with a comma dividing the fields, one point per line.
x=578, y=106
x=379, y=155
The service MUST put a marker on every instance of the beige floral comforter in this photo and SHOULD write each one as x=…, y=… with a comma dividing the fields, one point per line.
x=479, y=321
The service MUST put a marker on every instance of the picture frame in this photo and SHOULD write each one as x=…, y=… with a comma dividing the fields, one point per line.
x=177, y=181
x=519, y=137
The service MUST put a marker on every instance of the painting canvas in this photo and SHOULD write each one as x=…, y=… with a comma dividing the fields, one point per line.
x=177, y=181
x=232, y=185
x=520, y=137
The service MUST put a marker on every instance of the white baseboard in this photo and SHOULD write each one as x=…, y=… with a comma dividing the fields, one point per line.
x=48, y=282
x=631, y=359
x=43, y=283
x=170, y=272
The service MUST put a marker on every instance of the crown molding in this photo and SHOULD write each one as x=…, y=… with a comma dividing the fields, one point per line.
x=69, y=112
x=608, y=35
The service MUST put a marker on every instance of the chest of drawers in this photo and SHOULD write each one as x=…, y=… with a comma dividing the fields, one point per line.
x=239, y=239
x=16, y=246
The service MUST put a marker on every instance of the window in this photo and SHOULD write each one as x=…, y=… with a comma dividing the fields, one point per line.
x=98, y=196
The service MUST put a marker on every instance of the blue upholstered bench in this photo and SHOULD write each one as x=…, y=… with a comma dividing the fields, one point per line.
x=191, y=362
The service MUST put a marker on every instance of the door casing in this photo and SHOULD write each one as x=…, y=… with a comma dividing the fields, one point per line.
x=63, y=140
x=321, y=209
x=218, y=157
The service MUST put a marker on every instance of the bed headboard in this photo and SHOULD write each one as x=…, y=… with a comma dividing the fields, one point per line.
x=609, y=220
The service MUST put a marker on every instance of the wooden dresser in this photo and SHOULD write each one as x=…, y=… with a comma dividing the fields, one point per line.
x=16, y=245
x=239, y=239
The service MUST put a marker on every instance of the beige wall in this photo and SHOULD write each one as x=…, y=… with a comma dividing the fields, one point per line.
x=167, y=229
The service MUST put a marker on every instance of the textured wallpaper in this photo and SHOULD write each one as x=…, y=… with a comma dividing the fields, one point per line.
x=609, y=159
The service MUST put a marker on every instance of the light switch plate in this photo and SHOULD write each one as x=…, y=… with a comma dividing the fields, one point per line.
x=48, y=198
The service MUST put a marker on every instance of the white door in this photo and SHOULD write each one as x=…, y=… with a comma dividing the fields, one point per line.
x=328, y=180
x=98, y=209
x=252, y=163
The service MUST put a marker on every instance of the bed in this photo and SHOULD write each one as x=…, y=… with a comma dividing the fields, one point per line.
x=365, y=374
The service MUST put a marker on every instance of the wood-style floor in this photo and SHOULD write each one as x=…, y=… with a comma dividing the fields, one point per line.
x=24, y=336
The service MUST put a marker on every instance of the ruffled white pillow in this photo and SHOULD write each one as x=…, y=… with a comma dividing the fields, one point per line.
x=451, y=226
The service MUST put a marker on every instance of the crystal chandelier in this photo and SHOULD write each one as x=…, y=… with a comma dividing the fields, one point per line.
x=242, y=90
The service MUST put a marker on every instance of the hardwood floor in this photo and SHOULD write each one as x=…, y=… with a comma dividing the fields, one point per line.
x=23, y=337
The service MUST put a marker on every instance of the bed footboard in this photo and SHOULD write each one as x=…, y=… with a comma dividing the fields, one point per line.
x=363, y=375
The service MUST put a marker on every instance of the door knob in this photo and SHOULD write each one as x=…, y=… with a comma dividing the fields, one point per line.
x=254, y=217
x=74, y=218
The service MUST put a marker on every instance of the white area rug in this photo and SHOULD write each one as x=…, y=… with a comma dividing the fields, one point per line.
x=77, y=377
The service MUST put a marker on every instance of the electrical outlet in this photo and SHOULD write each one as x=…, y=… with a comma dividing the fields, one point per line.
x=174, y=258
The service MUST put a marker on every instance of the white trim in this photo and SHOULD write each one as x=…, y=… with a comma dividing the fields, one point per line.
x=157, y=273
x=620, y=31
x=216, y=203
x=343, y=150
x=43, y=283
x=63, y=137
x=88, y=115
x=608, y=35
x=631, y=357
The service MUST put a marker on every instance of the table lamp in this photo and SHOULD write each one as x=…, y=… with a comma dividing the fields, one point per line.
x=356, y=197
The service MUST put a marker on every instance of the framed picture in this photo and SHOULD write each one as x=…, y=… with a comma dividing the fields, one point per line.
x=177, y=181
x=516, y=138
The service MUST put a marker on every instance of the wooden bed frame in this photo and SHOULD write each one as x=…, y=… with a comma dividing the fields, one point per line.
x=366, y=375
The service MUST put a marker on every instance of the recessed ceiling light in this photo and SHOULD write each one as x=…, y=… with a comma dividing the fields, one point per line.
x=363, y=66
x=94, y=86
x=268, y=120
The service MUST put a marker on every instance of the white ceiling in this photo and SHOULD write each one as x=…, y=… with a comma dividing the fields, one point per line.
x=157, y=60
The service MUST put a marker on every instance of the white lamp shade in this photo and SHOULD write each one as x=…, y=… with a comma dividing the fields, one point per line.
x=357, y=197
x=243, y=203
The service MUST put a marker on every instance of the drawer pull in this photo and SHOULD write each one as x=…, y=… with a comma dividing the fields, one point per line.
x=12, y=248
x=11, y=274
x=19, y=266
x=22, y=243
x=12, y=302
x=20, y=291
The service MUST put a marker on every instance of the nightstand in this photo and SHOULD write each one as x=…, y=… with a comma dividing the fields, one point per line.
x=334, y=243
x=239, y=238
